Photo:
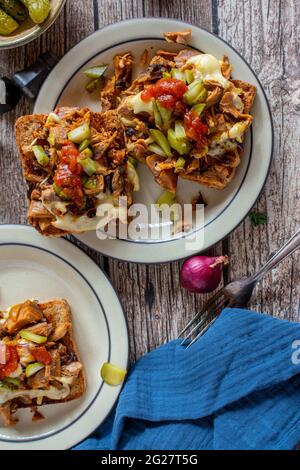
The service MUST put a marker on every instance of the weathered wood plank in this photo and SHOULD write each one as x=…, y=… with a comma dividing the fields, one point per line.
x=266, y=35
x=66, y=32
x=198, y=12
x=71, y=27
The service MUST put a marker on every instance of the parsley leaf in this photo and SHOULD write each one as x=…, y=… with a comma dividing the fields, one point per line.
x=257, y=218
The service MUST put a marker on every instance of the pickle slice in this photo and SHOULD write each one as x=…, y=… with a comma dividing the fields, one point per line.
x=15, y=9
x=38, y=9
x=133, y=176
x=96, y=71
x=7, y=24
x=111, y=374
x=79, y=134
x=32, y=369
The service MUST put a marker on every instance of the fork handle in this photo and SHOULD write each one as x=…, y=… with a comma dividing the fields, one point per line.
x=286, y=250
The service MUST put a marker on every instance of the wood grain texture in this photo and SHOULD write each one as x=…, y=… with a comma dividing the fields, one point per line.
x=266, y=34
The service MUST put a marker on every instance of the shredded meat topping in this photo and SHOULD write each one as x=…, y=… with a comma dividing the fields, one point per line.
x=22, y=315
x=180, y=37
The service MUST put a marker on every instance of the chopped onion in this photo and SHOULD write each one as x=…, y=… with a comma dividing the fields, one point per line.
x=202, y=274
x=2, y=353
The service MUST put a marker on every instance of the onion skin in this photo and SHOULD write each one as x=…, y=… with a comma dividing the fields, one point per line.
x=202, y=274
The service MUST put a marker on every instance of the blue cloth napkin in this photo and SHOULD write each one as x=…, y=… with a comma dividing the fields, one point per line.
x=237, y=387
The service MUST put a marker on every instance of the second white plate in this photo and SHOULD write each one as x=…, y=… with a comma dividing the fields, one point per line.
x=35, y=267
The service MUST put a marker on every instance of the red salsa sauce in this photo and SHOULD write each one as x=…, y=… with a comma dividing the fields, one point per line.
x=41, y=354
x=168, y=92
x=11, y=362
x=195, y=129
x=67, y=175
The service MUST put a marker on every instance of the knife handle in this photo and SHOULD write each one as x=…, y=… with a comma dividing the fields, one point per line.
x=27, y=82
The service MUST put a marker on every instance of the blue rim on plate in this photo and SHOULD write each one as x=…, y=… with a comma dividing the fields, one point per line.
x=170, y=255
x=45, y=436
x=109, y=317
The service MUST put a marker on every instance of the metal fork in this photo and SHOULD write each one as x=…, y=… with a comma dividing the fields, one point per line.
x=235, y=294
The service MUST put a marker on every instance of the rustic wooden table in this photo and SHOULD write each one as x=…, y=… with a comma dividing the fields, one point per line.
x=265, y=33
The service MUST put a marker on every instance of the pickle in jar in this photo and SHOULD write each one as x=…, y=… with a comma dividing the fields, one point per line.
x=38, y=9
x=7, y=24
x=15, y=9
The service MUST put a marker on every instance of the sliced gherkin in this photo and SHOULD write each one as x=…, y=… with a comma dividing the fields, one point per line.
x=166, y=197
x=96, y=71
x=111, y=374
x=179, y=165
x=30, y=336
x=38, y=9
x=33, y=368
x=7, y=24
x=133, y=176
x=84, y=145
x=162, y=141
x=79, y=134
x=92, y=85
x=15, y=9
x=40, y=155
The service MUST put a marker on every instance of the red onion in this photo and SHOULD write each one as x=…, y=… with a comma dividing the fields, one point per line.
x=202, y=274
x=2, y=353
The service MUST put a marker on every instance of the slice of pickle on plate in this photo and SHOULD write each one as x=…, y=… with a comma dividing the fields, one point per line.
x=112, y=374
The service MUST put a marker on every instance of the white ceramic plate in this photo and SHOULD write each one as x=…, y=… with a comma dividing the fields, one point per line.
x=34, y=267
x=226, y=208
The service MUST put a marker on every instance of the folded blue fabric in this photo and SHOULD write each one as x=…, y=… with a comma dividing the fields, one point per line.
x=237, y=387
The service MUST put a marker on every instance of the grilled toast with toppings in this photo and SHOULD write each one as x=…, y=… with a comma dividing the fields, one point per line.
x=39, y=360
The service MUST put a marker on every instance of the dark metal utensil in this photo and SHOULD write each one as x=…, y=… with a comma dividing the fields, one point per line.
x=235, y=294
x=26, y=82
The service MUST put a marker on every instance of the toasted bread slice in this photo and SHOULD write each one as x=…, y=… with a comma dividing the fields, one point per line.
x=211, y=178
x=248, y=95
x=26, y=127
x=56, y=313
x=107, y=134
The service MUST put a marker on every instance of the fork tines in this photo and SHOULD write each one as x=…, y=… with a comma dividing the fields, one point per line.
x=206, y=317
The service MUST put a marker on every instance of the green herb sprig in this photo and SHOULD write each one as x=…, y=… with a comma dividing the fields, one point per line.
x=257, y=218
